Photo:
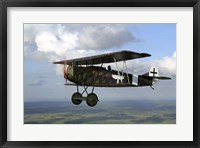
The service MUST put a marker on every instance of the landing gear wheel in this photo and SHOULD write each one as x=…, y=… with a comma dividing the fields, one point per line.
x=75, y=100
x=92, y=99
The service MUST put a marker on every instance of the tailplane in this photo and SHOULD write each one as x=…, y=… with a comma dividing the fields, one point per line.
x=151, y=77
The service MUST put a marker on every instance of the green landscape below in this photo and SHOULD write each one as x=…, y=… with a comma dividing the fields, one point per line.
x=106, y=112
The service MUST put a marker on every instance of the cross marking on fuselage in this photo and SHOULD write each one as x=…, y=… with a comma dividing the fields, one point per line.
x=153, y=72
x=118, y=78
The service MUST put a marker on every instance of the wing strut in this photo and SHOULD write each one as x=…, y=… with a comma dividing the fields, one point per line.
x=117, y=70
x=126, y=71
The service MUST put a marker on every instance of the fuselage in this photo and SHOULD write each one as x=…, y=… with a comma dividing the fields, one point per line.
x=102, y=77
x=91, y=75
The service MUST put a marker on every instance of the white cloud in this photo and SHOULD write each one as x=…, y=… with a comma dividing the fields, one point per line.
x=31, y=30
x=66, y=41
x=105, y=36
x=166, y=65
x=47, y=43
x=53, y=42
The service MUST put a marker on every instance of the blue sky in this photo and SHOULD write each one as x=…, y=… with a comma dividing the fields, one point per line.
x=46, y=43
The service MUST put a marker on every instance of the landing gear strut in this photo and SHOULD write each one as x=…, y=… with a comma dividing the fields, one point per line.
x=91, y=98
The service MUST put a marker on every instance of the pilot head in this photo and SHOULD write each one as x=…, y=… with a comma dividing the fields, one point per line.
x=109, y=68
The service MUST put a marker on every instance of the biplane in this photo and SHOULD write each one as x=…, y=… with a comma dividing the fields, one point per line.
x=85, y=72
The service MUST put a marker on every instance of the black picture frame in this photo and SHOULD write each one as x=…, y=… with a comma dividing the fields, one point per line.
x=4, y=4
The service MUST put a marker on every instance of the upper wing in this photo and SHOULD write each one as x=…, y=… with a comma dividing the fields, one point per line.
x=105, y=58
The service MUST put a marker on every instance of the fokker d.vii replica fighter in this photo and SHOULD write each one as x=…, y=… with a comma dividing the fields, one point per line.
x=82, y=72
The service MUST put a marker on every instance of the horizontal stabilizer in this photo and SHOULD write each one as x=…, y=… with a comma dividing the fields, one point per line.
x=157, y=77
x=151, y=77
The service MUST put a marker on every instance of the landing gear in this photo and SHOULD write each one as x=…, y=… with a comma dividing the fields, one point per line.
x=76, y=98
x=91, y=98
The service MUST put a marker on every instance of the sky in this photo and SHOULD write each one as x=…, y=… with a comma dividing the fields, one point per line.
x=47, y=43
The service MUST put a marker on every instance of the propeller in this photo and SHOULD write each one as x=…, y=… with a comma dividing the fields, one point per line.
x=65, y=71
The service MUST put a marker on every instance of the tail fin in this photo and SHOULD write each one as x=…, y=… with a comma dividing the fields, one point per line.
x=153, y=72
x=152, y=75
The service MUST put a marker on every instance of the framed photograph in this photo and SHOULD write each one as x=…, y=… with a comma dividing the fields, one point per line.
x=84, y=73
